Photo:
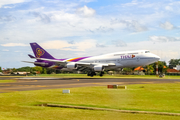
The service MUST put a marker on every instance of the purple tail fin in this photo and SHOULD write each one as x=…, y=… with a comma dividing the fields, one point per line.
x=39, y=52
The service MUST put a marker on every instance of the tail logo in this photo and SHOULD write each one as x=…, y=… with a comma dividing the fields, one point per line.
x=133, y=56
x=39, y=52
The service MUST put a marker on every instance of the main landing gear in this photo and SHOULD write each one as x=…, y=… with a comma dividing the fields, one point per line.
x=92, y=73
x=101, y=73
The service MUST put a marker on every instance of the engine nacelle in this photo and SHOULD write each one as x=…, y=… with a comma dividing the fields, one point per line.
x=71, y=65
x=40, y=64
x=98, y=68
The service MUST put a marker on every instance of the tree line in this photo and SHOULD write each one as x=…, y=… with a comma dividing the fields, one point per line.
x=150, y=69
x=32, y=70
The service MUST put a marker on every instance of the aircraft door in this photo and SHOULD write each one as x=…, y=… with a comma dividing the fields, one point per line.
x=118, y=60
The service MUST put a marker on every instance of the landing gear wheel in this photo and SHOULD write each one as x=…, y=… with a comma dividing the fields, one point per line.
x=101, y=74
x=92, y=73
x=89, y=74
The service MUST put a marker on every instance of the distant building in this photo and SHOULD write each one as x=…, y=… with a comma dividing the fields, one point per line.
x=6, y=72
x=21, y=73
x=139, y=71
x=172, y=71
x=177, y=67
x=140, y=68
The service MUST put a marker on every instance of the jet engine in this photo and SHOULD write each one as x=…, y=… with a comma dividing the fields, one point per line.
x=98, y=68
x=71, y=65
x=41, y=64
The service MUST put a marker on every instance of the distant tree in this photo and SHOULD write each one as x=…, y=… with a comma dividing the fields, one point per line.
x=44, y=71
x=37, y=69
x=162, y=67
x=149, y=69
x=127, y=70
x=23, y=69
x=58, y=71
x=174, y=62
x=49, y=70
x=0, y=69
x=14, y=70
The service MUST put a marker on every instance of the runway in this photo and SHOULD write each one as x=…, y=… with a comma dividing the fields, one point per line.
x=25, y=84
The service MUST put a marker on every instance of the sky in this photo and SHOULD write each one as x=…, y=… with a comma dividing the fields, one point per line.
x=77, y=28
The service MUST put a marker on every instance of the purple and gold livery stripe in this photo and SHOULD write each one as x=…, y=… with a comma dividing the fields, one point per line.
x=57, y=67
x=76, y=59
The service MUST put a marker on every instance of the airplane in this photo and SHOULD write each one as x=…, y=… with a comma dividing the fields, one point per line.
x=93, y=64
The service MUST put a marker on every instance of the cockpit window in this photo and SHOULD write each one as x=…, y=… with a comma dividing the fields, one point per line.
x=147, y=51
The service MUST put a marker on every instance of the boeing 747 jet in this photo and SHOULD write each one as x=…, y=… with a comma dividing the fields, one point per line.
x=93, y=63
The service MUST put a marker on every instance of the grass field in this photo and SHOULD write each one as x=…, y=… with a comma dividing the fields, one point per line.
x=7, y=81
x=107, y=76
x=144, y=97
x=70, y=75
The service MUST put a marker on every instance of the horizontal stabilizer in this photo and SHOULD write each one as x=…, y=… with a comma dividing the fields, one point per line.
x=31, y=56
x=39, y=63
x=51, y=60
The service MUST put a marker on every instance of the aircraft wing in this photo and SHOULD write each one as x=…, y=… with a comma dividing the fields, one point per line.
x=78, y=63
x=94, y=64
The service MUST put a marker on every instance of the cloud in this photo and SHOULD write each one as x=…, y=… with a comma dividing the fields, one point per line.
x=167, y=25
x=85, y=11
x=71, y=42
x=119, y=43
x=100, y=45
x=163, y=39
x=8, y=18
x=136, y=27
x=42, y=17
x=7, y=7
x=64, y=45
x=5, y=2
x=101, y=29
x=5, y=50
x=104, y=29
x=130, y=4
x=13, y=44
x=169, y=8
x=87, y=1
x=131, y=25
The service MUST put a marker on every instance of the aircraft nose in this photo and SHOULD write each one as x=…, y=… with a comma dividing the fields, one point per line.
x=157, y=57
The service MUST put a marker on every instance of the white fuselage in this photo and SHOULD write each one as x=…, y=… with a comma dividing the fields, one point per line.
x=123, y=59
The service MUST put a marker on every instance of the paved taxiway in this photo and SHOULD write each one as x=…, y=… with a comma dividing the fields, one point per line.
x=24, y=84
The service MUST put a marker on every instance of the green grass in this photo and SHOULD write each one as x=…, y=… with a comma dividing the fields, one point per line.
x=70, y=75
x=7, y=81
x=150, y=97
x=107, y=76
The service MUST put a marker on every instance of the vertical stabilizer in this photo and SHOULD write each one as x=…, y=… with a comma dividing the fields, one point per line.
x=39, y=52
